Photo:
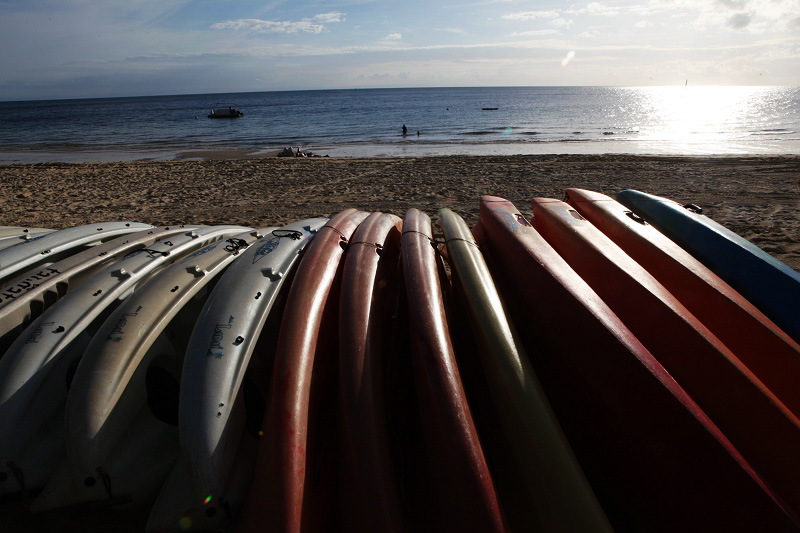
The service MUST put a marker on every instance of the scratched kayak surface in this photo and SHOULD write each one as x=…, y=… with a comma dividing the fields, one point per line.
x=37, y=370
x=120, y=428
x=222, y=370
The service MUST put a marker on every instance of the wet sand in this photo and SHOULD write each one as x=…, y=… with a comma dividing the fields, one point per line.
x=756, y=197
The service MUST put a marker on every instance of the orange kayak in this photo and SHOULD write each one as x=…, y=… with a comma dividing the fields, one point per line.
x=290, y=461
x=753, y=418
x=761, y=345
x=652, y=456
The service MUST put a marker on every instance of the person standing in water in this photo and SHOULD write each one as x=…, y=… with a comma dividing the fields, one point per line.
x=405, y=130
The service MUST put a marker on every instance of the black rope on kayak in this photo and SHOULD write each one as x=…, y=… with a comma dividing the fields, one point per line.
x=377, y=246
x=366, y=243
x=234, y=245
x=419, y=233
x=462, y=240
x=292, y=234
x=694, y=208
x=152, y=252
x=335, y=230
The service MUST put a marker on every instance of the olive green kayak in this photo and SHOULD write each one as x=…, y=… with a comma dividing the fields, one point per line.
x=549, y=473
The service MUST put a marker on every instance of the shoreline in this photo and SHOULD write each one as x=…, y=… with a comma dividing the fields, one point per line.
x=407, y=148
x=755, y=196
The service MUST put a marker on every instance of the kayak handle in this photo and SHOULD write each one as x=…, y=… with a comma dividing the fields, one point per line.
x=636, y=218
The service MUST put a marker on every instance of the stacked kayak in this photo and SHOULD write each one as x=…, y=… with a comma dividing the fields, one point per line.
x=601, y=365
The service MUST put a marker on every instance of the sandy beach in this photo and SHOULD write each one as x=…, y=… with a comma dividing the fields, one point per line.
x=756, y=197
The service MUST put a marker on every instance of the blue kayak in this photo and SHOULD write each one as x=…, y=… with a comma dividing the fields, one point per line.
x=770, y=285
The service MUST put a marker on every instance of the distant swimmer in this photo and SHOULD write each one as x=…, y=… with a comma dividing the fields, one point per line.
x=405, y=130
x=417, y=133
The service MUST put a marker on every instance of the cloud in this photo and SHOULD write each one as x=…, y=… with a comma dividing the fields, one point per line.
x=596, y=8
x=269, y=26
x=334, y=16
x=531, y=15
x=533, y=33
x=643, y=24
x=739, y=21
x=393, y=37
x=315, y=24
x=733, y=4
x=561, y=23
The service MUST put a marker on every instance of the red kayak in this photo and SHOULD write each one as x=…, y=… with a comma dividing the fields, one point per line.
x=756, y=422
x=369, y=491
x=460, y=489
x=282, y=494
x=763, y=347
x=654, y=459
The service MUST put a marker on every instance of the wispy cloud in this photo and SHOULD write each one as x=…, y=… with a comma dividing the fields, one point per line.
x=533, y=33
x=531, y=15
x=315, y=24
x=334, y=16
x=596, y=8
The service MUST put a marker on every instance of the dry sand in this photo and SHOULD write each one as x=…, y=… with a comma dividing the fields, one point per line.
x=756, y=197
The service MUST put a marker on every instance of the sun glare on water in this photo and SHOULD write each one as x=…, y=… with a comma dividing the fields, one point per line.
x=703, y=119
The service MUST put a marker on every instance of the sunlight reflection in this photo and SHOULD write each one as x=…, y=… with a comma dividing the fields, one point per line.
x=698, y=116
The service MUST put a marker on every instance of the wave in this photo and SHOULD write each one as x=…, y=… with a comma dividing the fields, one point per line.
x=775, y=131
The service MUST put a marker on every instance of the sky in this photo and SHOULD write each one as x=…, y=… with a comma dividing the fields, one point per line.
x=99, y=48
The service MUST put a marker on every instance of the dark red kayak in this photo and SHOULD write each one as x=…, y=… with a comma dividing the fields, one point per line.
x=369, y=491
x=654, y=459
x=748, y=413
x=288, y=466
x=766, y=350
x=460, y=491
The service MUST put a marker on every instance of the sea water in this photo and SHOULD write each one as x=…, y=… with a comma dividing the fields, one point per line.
x=439, y=121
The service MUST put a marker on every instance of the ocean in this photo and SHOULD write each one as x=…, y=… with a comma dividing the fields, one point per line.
x=682, y=120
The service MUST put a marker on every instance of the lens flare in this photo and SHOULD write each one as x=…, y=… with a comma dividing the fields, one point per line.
x=185, y=523
x=570, y=56
x=207, y=500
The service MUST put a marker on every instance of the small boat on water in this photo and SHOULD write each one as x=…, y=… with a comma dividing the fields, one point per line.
x=231, y=112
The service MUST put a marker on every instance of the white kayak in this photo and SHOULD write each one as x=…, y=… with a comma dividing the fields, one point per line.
x=52, y=247
x=36, y=370
x=208, y=482
x=121, y=411
x=9, y=236
x=16, y=231
x=23, y=301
